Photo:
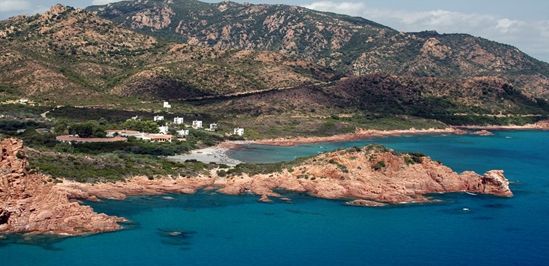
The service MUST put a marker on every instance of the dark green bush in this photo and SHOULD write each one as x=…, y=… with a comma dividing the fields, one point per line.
x=379, y=165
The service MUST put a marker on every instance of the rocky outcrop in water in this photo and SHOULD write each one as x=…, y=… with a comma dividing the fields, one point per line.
x=371, y=176
x=29, y=203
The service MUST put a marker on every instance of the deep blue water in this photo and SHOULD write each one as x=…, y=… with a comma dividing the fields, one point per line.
x=232, y=230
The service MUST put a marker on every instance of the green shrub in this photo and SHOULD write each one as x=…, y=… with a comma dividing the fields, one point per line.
x=413, y=158
x=141, y=125
x=379, y=165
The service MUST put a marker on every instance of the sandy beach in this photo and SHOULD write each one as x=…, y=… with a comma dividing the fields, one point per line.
x=216, y=154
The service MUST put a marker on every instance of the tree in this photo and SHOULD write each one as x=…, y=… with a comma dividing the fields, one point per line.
x=143, y=126
x=87, y=130
x=60, y=127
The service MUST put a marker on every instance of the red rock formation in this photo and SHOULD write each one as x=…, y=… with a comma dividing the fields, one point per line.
x=371, y=176
x=30, y=204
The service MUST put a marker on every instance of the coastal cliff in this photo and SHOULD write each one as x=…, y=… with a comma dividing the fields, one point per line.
x=29, y=203
x=369, y=176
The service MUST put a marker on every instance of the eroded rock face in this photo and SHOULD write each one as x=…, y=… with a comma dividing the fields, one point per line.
x=433, y=47
x=30, y=204
x=155, y=19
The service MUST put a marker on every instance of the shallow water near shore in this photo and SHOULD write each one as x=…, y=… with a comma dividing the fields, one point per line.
x=214, y=229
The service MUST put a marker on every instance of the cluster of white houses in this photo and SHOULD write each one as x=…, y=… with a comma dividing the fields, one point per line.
x=162, y=136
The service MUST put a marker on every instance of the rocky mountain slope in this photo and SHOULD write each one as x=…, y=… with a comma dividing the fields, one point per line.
x=387, y=94
x=183, y=49
x=345, y=43
x=72, y=50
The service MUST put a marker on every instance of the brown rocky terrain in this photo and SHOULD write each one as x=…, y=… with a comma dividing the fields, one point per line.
x=73, y=50
x=185, y=49
x=29, y=203
x=349, y=44
x=428, y=97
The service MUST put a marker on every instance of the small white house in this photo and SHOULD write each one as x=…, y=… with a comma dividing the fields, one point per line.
x=238, y=131
x=163, y=130
x=213, y=127
x=178, y=120
x=167, y=105
x=158, y=118
x=183, y=133
x=197, y=124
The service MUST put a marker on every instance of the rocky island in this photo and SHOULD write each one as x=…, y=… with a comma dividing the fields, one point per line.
x=369, y=176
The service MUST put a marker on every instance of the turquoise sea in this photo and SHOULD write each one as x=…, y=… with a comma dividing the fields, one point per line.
x=232, y=230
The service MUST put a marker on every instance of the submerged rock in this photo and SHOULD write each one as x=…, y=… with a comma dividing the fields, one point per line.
x=265, y=199
x=483, y=132
x=365, y=203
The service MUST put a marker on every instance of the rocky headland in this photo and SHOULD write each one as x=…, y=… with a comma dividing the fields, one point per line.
x=30, y=203
x=369, y=176
x=372, y=133
x=358, y=134
x=373, y=175
x=540, y=125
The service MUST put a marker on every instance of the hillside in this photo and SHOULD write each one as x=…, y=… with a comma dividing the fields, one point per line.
x=72, y=50
x=347, y=44
x=293, y=67
x=453, y=101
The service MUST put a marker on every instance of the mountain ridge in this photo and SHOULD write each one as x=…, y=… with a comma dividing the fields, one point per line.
x=339, y=41
x=74, y=56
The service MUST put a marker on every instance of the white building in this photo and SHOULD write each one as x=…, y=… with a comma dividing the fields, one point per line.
x=183, y=133
x=197, y=124
x=213, y=127
x=163, y=129
x=158, y=118
x=178, y=120
x=238, y=131
x=167, y=105
x=140, y=135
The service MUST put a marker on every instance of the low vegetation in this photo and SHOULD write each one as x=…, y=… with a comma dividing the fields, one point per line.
x=109, y=166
